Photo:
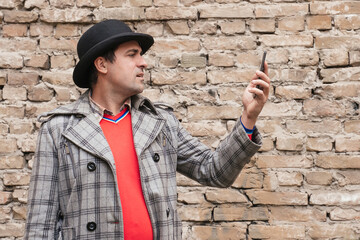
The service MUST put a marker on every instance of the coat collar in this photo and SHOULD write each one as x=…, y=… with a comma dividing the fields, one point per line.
x=86, y=132
x=83, y=107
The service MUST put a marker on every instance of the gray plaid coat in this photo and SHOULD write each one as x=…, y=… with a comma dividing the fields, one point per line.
x=73, y=190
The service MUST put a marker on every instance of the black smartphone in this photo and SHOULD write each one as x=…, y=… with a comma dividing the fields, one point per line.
x=262, y=66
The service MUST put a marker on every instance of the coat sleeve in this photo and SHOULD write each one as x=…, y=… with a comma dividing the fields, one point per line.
x=43, y=204
x=218, y=168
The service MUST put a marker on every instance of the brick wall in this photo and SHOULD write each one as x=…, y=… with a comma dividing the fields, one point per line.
x=303, y=184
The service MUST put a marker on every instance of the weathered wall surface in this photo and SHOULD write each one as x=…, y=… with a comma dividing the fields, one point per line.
x=305, y=181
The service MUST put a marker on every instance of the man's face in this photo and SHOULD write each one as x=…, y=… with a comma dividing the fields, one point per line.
x=126, y=74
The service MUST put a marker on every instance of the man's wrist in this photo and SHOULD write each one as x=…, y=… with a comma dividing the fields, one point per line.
x=247, y=122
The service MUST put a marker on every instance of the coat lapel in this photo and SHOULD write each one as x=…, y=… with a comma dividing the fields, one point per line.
x=145, y=129
x=87, y=134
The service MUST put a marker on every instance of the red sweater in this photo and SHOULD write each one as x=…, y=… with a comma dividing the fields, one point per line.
x=118, y=133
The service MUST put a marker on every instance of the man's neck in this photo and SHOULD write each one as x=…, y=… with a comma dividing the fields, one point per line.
x=107, y=101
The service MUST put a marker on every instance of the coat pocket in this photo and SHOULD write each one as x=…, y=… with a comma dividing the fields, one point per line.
x=68, y=233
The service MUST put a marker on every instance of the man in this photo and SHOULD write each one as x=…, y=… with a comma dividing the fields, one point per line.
x=105, y=165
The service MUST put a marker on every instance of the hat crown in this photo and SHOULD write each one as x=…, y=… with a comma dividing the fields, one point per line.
x=100, y=32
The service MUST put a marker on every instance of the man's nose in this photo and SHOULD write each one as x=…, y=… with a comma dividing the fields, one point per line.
x=142, y=62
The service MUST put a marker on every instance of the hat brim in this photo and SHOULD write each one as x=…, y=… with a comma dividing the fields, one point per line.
x=81, y=71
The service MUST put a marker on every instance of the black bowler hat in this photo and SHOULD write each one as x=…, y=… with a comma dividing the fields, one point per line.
x=100, y=38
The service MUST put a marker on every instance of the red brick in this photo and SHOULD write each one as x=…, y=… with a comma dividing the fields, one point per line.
x=297, y=214
x=173, y=77
x=166, y=13
x=16, y=179
x=334, y=231
x=16, y=16
x=11, y=162
x=230, y=76
x=229, y=231
x=337, y=7
x=281, y=161
x=12, y=229
x=282, y=109
x=5, y=197
x=230, y=43
x=213, y=112
x=15, y=30
x=347, y=177
x=340, y=74
x=221, y=60
x=320, y=144
x=227, y=12
x=324, y=108
x=14, y=93
x=195, y=213
x=59, y=78
x=113, y=3
x=287, y=40
x=347, y=22
x=225, y=196
x=19, y=78
x=294, y=24
x=339, y=214
x=335, y=58
x=70, y=15
x=58, y=45
x=320, y=22
x=347, y=144
x=43, y=30
x=232, y=27
x=319, y=178
x=241, y=213
x=88, y=3
x=11, y=60
x=198, y=129
x=337, y=161
x=352, y=126
x=16, y=45
x=193, y=196
x=277, y=198
x=12, y=111
x=8, y=145
x=277, y=10
x=66, y=30
x=290, y=178
x=258, y=231
x=172, y=45
x=179, y=27
x=337, y=42
x=40, y=93
x=262, y=25
x=124, y=14
x=289, y=143
x=139, y=3
x=249, y=178
x=293, y=92
x=354, y=58
x=37, y=61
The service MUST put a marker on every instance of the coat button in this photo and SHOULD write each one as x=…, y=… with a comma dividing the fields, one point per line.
x=156, y=157
x=91, y=166
x=91, y=226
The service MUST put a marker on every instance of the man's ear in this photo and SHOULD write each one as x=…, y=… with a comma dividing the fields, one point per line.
x=100, y=65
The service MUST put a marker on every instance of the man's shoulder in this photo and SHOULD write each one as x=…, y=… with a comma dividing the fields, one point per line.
x=78, y=107
x=163, y=106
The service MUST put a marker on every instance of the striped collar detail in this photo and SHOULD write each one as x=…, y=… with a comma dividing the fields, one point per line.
x=117, y=118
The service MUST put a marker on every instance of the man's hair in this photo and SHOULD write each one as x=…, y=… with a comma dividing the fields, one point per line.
x=109, y=55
